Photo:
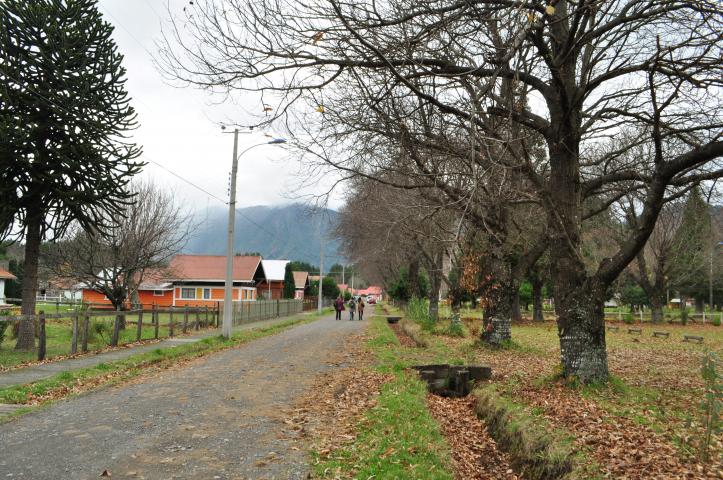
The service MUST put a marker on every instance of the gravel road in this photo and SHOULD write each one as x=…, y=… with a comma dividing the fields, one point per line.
x=217, y=417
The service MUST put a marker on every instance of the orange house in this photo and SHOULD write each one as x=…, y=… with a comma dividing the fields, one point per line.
x=201, y=279
x=195, y=280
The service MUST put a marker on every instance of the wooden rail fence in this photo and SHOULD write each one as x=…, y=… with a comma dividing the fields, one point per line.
x=80, y=320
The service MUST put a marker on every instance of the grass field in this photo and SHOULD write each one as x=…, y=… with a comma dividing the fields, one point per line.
x=59, y=335
x=650, y=408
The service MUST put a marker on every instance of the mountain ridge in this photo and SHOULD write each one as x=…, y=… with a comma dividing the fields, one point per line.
x=289, y=232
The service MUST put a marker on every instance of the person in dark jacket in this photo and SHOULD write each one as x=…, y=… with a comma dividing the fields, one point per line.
x=339, y=306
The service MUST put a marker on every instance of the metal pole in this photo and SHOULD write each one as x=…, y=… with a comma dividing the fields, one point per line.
x=319, y=303
x=710, y=283
x=228, y=291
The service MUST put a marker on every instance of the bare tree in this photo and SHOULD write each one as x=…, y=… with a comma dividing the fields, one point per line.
x=591, y=71
x=152, y=230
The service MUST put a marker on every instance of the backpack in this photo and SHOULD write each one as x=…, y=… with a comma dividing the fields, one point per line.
x=352, y=304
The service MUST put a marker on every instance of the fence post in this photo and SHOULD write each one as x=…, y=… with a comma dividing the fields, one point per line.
x=139, y=327
x=218, y=314
x=157, y=320
x=57, y=306
x=86, y=326
x=41, y=336
x=116, y=329
x=278, y=308
x=206, y=325
x=185, y=318
x=74, y=341
x=198, y=319
x=170, y=322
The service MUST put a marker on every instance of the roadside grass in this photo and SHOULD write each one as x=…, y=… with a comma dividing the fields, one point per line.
x=76, y=381
x=59, y=335
x=398, y=438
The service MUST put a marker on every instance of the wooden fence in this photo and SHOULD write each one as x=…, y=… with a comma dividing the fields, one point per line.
x=180, y=319
x=246, y=312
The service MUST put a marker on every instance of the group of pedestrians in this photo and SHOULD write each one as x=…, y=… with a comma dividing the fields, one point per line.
x=354, y=307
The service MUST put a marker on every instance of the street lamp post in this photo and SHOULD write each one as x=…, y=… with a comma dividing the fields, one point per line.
x=228, y=291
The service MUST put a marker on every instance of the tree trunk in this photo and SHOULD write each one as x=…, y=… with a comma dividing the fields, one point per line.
x=581, y=328
x=537, y=300
x=435, y=284
x=498, y=314
x=516, y=313
x=699, y=305
x=656, y=308
x=579, y=299
x=414, y=290
x=499, y=297
x=33, y=237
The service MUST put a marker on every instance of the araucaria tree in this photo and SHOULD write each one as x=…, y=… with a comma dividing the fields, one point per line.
x=64, y=115
x=580, y=75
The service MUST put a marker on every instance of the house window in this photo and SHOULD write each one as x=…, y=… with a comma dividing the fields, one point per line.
x=206, y=293
x=157, y=293
x=188, y=293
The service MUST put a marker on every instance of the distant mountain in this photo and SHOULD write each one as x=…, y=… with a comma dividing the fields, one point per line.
x=283, y=232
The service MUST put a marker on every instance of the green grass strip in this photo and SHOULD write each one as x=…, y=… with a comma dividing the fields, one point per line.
x=398, y=438
x=134, y=365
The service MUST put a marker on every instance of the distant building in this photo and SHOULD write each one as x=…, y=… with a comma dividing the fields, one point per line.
x=194, y=280
x=371, y=291
x=301, y=284
x=272, y=285
x=4, y=275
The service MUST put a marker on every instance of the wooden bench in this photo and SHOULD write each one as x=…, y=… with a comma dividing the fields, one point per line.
x=639, y=331
x=661, y=334
x=692, y=338
x=613, y=329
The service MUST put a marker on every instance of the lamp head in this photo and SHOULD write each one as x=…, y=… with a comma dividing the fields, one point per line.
x=277, y=141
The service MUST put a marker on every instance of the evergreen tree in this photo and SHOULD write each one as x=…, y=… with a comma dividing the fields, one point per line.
x=693, y=238
x=64, y=117
x=289, y=286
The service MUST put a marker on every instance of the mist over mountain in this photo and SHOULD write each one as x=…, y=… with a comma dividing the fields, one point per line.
x=277, y=232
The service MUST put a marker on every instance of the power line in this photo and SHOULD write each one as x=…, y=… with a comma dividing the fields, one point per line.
x=201, y=189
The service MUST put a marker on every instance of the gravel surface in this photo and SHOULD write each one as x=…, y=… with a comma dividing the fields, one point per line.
x=220, y=416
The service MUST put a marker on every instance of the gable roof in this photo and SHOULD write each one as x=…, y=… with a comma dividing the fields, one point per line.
x=274, y=270
x=301, y=279
x=212, y=267
x=5, y=275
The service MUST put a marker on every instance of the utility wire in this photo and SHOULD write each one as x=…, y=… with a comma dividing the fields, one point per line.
x=201, y=189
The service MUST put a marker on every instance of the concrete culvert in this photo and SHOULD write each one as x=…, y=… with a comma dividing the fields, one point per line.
x=452, y=380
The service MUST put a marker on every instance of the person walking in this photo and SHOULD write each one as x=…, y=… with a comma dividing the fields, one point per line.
x=352, y=309
x=360, y=308
x=339, y=306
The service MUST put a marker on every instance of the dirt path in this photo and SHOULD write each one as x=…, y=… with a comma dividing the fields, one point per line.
x=217, y=417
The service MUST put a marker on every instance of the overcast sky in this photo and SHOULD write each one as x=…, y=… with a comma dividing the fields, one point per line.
x=179, y=127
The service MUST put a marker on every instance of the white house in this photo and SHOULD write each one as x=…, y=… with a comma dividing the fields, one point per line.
x=4, y=275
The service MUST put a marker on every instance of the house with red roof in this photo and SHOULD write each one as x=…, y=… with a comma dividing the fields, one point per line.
x=371, y=291
x=195, y=280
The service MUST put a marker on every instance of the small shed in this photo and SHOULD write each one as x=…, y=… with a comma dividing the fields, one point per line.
x=4, y=275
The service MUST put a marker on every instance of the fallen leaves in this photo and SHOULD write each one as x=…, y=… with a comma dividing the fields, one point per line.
x=474, y=453
x=329, y=413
